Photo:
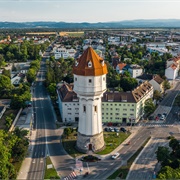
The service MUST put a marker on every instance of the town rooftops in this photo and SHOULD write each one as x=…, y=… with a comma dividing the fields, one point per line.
x=90, y=64
x=67, y=94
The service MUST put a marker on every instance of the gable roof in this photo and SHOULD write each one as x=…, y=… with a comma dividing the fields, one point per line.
x=158, y=79
x=173, y=66
x=98, y=67
x=141, y=90
x=121, y=65
x=67, y=94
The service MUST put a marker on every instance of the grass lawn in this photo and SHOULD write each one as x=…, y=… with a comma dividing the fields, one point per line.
x=111, y=140
x=50, y=173
x=123, y=170
x=69, y=145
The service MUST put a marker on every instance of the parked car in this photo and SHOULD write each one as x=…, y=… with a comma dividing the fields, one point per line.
x=116, y=129
x=111, y=129
x=165, y=114
x=123, y=129
x=115, y=156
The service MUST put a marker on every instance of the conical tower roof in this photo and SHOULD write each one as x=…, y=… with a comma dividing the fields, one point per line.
x=90, y=64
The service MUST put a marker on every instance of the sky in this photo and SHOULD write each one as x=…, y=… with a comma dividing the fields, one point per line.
x=87, y=10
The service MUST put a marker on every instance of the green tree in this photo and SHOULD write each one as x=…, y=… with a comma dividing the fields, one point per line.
x=31, y=75
x=2, y=61
x=169, y=173
x=149, y=107
x=166, y=85
x=67, y=131
x=128, y=83
x=52, y=89
x=157, y=95
x=162, y=153
x=5, y=85
x=6, y=73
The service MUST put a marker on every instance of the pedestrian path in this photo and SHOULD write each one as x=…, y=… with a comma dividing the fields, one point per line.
x=71, y=176
x=156, y=124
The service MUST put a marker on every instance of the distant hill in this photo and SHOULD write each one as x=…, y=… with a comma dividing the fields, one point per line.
x=154, y=23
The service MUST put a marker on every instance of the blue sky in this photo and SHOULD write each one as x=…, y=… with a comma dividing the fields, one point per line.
x=87, y=10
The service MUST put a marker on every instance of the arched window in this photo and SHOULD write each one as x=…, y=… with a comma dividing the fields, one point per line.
x=89, y=64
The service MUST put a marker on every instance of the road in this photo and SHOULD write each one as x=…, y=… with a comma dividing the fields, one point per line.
x=47, y=141
x=143, y=167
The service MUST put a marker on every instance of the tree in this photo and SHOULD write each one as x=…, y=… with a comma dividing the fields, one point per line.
x=5, y=84
x=6, y=73
x=128, y=83
x=52, y=89
x=166, y=85
x=149, y=107
x=157, y=95
x=162, y=153
x=67, y=131
x=169, y=173
x=2, y=61
x=31, y=75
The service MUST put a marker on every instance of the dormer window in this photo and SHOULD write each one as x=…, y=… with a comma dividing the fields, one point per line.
x=89, y=64
x=102, y=63
x=76, y=63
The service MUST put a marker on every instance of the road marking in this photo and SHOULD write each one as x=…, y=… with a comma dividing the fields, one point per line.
x=41, y=161
x=111, y=164
x=33, y=161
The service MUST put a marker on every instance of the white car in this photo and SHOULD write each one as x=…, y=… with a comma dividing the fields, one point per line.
x=115, y=156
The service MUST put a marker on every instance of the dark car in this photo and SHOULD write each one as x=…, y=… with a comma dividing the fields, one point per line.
x=151, y=117
x=123, y=129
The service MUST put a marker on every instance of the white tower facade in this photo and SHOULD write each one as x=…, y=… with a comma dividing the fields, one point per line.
x=90, y=84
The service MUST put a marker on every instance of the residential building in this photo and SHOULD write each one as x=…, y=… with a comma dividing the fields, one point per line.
x=155, y=80
x=172, y=68
x=134, y=69
x=121, y=107
x=157, y=83
x=119, y=68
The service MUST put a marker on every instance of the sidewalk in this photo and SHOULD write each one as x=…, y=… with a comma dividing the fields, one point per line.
x=26, y=123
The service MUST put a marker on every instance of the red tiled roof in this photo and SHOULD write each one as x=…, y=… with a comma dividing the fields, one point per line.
x=98, y=68
x=173, y=66
x=121, y=65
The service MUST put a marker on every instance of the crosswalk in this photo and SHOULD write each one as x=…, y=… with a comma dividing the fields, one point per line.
x=156, y=124
x=71, y=176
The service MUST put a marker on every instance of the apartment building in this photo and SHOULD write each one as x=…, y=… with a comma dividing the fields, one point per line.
x=120, y=107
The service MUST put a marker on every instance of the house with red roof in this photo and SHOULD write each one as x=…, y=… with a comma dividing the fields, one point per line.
x=172, y=68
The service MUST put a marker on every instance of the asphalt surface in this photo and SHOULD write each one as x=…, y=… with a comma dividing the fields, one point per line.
x=47, y=141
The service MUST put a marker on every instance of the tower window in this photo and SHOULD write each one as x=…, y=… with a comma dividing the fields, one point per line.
x=90, y=80
x=75, y=79
x=95, y=108
x=89, y=64
x=84, y=108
